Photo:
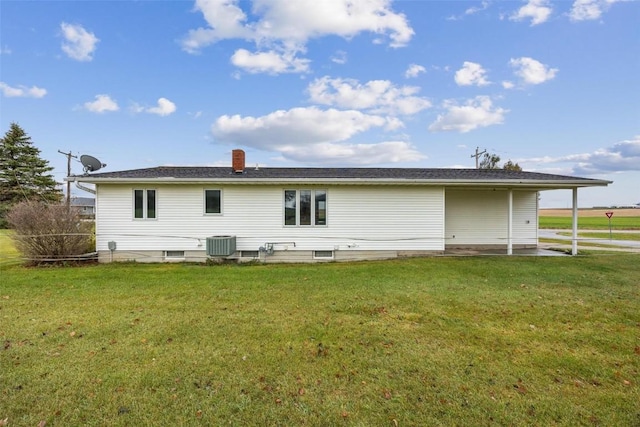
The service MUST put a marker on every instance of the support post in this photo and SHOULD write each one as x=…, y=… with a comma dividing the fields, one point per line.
x=510, y=223
x=574, y=225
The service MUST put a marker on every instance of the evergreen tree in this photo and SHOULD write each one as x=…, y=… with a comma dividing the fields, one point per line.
x=24, y=175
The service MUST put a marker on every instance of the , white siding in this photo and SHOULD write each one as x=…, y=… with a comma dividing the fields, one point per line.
x=479, y=217
x=358, y=218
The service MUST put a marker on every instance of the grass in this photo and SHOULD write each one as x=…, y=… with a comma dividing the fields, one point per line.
x=590, y=223
x=433, y=341
x=582, y=244
x=8, y=253
x=606, y=236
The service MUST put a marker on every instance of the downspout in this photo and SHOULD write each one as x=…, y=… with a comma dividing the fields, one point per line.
x=92, y=191
x=574, y=223
x=510, y=223
x=82, y=187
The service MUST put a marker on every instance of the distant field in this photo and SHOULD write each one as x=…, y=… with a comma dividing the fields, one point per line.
x=591, y=212
x=594, y=219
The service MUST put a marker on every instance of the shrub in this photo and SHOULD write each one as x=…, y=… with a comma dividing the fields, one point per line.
x=49, y=232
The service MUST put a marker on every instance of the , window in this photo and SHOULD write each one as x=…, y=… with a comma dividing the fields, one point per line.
x=212, y=202
x=144, y=204
x=305, y=207
x=290, y=207
x=320, y=208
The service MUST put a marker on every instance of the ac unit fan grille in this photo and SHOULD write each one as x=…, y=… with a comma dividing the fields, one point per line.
x=221, y=246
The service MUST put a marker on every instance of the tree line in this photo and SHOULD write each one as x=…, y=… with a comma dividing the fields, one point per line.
x=31, y=204
x=24, y=175
x=492, y=161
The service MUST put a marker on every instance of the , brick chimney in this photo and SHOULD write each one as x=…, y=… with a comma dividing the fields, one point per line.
x=237, y=161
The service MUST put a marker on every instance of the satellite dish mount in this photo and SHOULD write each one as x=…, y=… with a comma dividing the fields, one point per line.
x=91, y=164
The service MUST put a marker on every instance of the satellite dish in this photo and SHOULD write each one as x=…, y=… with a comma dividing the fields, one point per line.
x=90, y=163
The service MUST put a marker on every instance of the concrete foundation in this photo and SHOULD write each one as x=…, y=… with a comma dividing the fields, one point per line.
x=290, y=256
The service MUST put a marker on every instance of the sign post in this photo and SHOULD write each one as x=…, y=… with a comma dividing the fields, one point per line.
x=609, y=215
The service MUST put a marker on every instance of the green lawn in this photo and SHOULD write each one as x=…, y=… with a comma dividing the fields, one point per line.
x=582, y=245
x=8, y=253
x=606, y=236
x=432, y=341
x=591, y=223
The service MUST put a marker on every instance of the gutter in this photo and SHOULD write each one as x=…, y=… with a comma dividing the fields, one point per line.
x=529, y=183
x=80, y=186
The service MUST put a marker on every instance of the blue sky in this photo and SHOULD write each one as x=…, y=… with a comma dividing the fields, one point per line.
x=552, y=85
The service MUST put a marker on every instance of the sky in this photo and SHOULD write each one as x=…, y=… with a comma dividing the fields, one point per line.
x=551, y=85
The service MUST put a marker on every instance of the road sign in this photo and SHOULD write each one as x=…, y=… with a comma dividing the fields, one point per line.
x=609, y=215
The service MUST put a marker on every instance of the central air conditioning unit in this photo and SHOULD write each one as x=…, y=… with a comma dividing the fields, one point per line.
x=221, y=246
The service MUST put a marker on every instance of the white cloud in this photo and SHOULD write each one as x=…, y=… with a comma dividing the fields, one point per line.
x=102, y=104
x=474, y=113
x=78, y=44
x=531, y=71
x=622, y=156
x=354, y=154
x=340, y=57
x=414, y=70
x=136, y=108
x=537, y=10
x=302, y=20
x=164, y=108
x=295, y=126
x=269, y=62
x=285, y=26
x=484, y=5
x=313, y=135
x=4, y=50
x=22, y=91
x=475, y=9
x=226, y=21
x=508, y=85
x=471, y=74
x=378, y=96
x=586, y=10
